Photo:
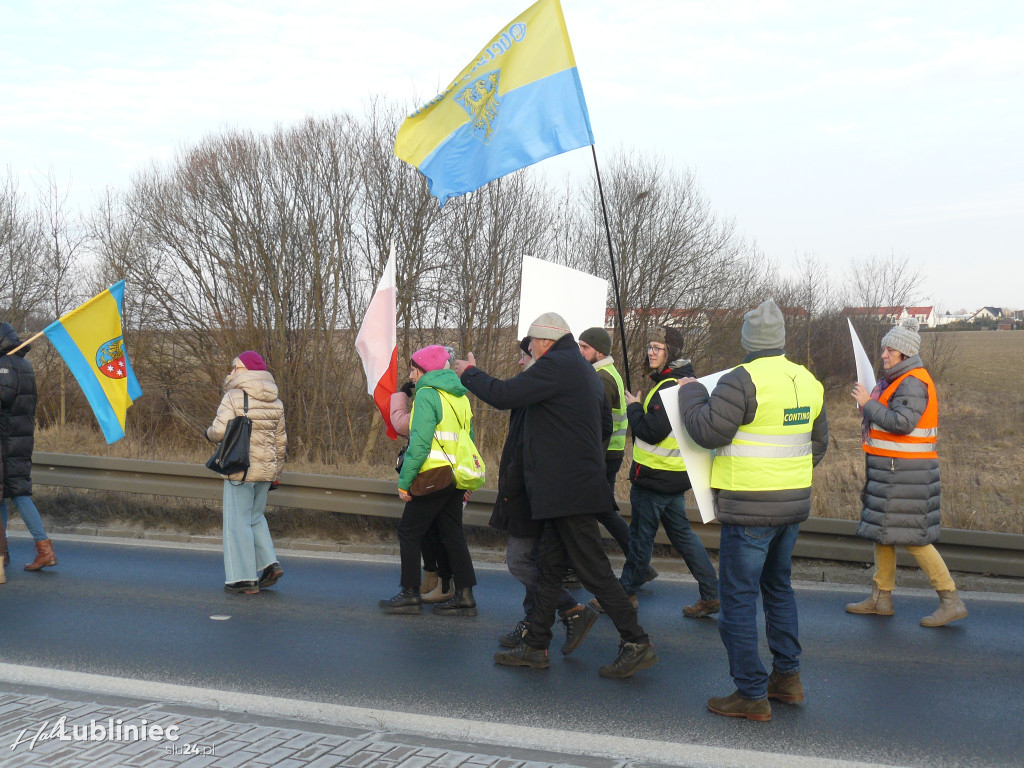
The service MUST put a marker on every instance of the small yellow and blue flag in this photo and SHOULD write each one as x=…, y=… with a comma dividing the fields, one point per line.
x=90, y=340
x=519, y=101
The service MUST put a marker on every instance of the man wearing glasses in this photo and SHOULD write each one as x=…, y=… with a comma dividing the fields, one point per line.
x=659, y=479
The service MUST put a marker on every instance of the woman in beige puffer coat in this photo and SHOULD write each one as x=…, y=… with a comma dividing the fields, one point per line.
x=250, y=562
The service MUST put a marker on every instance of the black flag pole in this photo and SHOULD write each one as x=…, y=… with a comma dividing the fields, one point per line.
x=615, y=278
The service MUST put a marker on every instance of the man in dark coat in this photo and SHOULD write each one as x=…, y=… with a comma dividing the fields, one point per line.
x=512, y=514
x=17, y=438
x=564, y=470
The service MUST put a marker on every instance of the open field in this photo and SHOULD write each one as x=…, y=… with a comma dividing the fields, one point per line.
x=981, y=420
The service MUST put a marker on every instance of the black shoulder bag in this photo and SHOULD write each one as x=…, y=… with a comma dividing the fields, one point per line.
x=232, y=455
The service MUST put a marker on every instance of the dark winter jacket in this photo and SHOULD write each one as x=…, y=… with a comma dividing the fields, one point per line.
x=713, y=421
x=652, y=427
x=901, y=496
x=512, y=509
x=567, y=419
x=17, y=414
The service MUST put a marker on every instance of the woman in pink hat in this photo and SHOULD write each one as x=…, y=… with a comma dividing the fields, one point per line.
x=250, y=562
x=440, y=411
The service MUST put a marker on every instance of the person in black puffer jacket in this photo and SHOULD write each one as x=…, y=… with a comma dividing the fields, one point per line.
x=17, y=438
x=901, y=493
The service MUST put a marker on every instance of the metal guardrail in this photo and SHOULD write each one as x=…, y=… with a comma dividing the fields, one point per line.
x=999, y=554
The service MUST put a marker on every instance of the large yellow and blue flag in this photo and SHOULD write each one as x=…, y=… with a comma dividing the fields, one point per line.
x=90, y=340
x=518, y=102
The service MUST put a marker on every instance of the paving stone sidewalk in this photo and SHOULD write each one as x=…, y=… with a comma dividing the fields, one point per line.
x=32, y=720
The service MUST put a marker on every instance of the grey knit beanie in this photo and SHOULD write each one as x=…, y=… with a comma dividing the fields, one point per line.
x=763, y=328
x=904, y=337
x=550, y=325
x=598, y=338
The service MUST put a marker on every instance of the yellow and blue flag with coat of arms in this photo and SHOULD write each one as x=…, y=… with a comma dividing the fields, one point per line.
x=518, y=102
x=90, y=340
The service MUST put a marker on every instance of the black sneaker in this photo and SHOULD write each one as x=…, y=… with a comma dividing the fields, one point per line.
x=577, y=623
x=571, y=580
x=515, y=637
x=406, y=601
x=270, y=575
x=631, y=659
x=651, y=574
x=523, y=656
x=242, y=588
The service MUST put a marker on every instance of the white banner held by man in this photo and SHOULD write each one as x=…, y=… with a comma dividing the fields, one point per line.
x=698, y=460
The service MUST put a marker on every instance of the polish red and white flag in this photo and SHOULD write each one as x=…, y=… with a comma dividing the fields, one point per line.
x=377, y=344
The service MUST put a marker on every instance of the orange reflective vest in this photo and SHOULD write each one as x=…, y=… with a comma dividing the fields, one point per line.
x=922, y=442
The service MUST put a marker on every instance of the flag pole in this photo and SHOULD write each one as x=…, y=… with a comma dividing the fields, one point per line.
x=615, y=278
x=26, y=343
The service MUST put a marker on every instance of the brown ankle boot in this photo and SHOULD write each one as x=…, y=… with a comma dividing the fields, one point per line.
x=879, y=604
x=44, y=556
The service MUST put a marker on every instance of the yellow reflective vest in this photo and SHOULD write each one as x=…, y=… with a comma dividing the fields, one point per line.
x=619, y=423
x=773, y=452
x=446, y=434
x=665, y=455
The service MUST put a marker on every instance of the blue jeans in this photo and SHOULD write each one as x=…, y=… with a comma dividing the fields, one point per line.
x=29, y=516
x=248, y=548
x=649, y=509
x=756, y=559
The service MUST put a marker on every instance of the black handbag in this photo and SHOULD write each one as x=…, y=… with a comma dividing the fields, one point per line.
x=232, y=455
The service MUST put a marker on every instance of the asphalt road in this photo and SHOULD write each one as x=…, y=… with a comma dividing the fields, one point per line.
x=878, y=689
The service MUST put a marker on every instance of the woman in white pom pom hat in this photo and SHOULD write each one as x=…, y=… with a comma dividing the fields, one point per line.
x=901, y=494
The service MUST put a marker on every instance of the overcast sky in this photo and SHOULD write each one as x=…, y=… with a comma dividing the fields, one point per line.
x=836, y=128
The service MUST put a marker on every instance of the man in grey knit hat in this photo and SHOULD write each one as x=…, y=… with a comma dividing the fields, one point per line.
x=766, y=421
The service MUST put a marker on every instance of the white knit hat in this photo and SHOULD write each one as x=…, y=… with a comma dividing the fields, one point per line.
x=904, y=337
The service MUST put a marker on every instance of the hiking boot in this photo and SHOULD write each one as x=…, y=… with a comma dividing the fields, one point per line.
x=461, y=604
x=785, y=687
x=651, y=574
x=406, y=601
x=701, y=608
x=879, y=604
x=524, y=656
x=578, y=622
x=735, y=705
x=631, y=659
x=429, y=582
x=515, y=637
x=443, y=590
x=951, y=608
x=571, y=579
x=270, y=575
x=242, y=587
x=596, y=604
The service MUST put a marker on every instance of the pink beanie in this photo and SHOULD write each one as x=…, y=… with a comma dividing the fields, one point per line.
x=432, y=358
x=252, y=361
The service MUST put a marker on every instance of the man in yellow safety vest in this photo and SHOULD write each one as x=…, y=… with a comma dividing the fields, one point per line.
x=766, y=421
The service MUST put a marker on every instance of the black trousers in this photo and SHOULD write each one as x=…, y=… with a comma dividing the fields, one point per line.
x=612, y=520
x=444, y=507
x=435, y=557
x=576, y=541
